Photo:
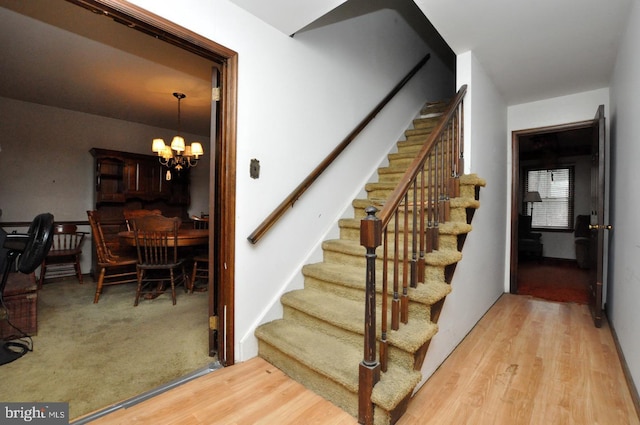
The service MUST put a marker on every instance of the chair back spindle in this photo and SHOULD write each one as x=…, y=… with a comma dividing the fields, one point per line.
x=63, y=258
x=156, y=239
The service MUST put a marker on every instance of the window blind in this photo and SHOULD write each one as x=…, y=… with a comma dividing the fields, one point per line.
x=555, y=186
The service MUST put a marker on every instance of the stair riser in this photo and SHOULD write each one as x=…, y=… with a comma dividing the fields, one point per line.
x=448, y=242
x=397, y=355
x=335, y=393
x=394, y=175
x=360, y=261
x=401, y=164
x=416, y=309
x=413, y=143
x=332, y=391
x=424, y=123
x=383, y=190
x=458, y=214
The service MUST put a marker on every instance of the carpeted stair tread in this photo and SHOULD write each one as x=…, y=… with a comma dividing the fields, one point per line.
x=394, y=386
x=448, y=228
x=454, y=228
x=349, y=247
x=354, y=277
x=392, y=185
x=472, y=180
x=348, y=314
x=464, y=202
x=360, y=204
x=337, y=360
x=438, y=106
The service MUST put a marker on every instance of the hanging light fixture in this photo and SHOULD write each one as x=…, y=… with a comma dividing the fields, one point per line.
x=177, y=156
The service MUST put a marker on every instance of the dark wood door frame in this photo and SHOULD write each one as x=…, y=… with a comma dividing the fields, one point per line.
x=515, y=187
x=222, y=185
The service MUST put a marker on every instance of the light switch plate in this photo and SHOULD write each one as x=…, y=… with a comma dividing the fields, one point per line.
x=254, y=168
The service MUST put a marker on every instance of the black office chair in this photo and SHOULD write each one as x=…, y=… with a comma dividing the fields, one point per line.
x=26, y=251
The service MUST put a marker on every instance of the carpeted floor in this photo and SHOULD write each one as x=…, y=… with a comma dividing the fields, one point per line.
x=94, y=355
x=554, y=280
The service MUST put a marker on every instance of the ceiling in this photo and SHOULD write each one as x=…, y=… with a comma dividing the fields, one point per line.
x=531, y=50
x=535, y=50
x=65, y=56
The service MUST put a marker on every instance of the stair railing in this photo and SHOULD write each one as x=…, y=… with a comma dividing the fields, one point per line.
x=288, y=202
x=407, y=228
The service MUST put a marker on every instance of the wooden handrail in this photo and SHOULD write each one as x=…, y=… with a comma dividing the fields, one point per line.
x=397, y=195
x=407, y=228
x=259, y=232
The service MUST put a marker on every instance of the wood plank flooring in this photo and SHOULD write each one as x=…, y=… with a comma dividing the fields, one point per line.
x=527, y=361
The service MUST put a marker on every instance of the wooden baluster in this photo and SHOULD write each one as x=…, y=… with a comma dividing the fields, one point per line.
x=446, y=177
x=430, y=206
x=414, y=236
x=461, y=138
x=369, y=370
x=456, y=155
x=396, y=270
x=436, y=198
x=385, y=297
x=423, y=230
x=405, y=263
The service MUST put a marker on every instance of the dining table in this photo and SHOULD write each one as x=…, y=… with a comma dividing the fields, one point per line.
x=186, y=237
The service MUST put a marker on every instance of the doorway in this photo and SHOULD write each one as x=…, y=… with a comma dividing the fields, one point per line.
x=550, y=208
x=223, y=158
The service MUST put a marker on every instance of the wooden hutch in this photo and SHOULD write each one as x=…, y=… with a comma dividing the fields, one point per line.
x=125, y=180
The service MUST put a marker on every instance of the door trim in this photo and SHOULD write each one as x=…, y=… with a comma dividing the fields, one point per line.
x=222, y=189
x=515, y=185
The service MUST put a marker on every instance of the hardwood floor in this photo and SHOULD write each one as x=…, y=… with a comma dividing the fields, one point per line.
x=527, y=361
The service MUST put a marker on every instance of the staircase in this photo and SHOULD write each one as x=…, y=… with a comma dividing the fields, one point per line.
x=319, y=341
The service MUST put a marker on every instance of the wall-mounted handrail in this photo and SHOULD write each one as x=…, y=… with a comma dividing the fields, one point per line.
x=268, y=222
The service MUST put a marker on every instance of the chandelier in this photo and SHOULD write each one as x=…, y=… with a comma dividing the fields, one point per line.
x=177, y=156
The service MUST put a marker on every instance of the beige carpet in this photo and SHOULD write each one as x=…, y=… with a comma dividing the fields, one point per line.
x=94, y=355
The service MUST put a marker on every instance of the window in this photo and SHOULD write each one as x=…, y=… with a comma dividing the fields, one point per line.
x=555, y=186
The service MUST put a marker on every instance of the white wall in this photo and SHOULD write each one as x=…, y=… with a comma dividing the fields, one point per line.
x=479, y=278
x=624, y=288
x=45, y=164
x=298, y=98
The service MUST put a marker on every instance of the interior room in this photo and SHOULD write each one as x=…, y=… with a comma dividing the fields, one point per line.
x=298, y=78
x=553, y=255
x=74, y=90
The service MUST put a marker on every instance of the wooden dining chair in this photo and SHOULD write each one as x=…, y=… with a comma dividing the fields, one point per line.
x=156, y=240
x=133, y=214
x=200, y=222
x=114, y=269
x=200, y=268
x=63, y=258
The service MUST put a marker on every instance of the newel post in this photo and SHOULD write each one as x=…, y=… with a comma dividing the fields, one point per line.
x=370, y=238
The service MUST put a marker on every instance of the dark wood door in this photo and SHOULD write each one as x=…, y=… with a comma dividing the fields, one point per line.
x=597, y=224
